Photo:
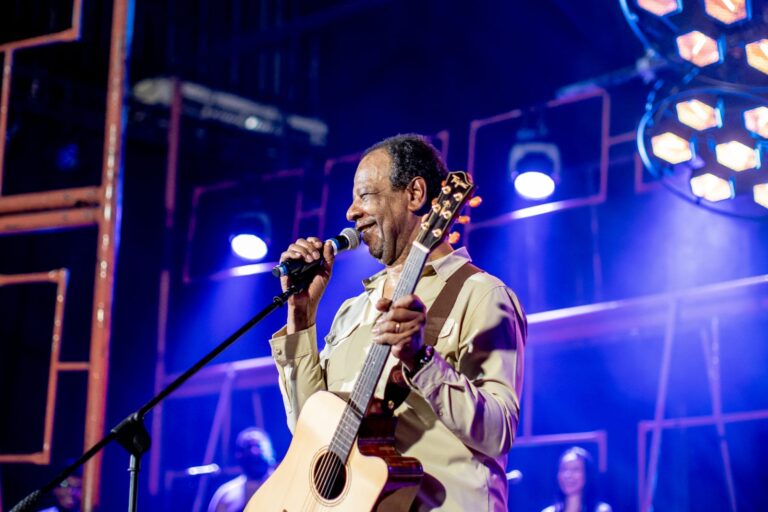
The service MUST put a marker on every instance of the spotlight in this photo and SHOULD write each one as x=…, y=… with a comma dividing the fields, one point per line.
x=535, y=168
x=249, y=246
x=727, y=11
x=250, y=236
x=757, y=55
x=659, y=7
x=698, y=48
x=700, y=161
x=672, y=148
x=720, y=39
x=697, y=114
x=760, y=194
x=711, y=187
x=736, y=156
x=756, y=121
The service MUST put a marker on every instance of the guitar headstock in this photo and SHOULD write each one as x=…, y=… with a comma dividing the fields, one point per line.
x=456, y=191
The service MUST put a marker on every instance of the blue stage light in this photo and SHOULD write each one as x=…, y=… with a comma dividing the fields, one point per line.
x=534, y=185
x=535, y=168
x=249, y=246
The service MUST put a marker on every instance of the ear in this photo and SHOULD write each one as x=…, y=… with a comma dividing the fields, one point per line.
x=417, y=195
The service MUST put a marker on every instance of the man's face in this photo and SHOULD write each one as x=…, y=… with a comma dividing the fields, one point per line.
x=380, y=214
x=68, y=493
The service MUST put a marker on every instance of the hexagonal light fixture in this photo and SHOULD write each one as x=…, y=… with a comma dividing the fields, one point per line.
x=736, y=156
x=757, y=55
x=672, y=148
x=698, y=48
x=727, y=11
x=710, y=187
x=756, y=121
x=697, y=114
x=760, y=194
x=659, y=7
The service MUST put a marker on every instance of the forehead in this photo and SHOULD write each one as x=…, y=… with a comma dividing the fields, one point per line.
x=571, y=461
x=373, y=169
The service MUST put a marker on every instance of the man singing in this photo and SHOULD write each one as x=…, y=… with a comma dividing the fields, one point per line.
x=463, y=367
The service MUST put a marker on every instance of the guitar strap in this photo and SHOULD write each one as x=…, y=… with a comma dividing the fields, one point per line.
x=441, y=308
x=397, y=389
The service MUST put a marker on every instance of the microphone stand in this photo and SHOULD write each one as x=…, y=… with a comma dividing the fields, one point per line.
x=131, y=433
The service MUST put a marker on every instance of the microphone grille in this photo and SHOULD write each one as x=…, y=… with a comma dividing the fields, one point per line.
x=353, y=236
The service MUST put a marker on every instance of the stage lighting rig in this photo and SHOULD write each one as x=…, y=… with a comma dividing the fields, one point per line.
x=250, y=236
x=726, y=40
x=706, y=122
x=534, y=163
x=709, y=144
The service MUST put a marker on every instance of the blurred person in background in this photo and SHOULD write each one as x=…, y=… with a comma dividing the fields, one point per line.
x=577, y=484
x=254, y=454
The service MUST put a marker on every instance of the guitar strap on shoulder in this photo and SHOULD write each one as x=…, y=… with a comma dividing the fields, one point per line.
x=441, y=308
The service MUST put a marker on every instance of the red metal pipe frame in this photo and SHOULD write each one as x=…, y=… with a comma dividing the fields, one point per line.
x=60, y=279
x=103, y=294
x=5, y=94
x=7, y=49
x=711, y=349
x=556, y=206
x=171, y=175
x=661, y=400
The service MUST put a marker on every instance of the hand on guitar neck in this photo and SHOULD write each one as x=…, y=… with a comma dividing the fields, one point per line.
x=402, y=327
x=302, y=307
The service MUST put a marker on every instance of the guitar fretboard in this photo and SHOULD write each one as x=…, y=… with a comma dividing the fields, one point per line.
x=345, y=434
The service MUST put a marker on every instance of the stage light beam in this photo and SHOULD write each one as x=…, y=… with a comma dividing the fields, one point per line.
x=698, y=48
x=736, y=156
x=757, y=55
x=711, y=187
x=697, y=114
x=726, y=11
x=760, y=194
x=756, y=121
x=659, y=7
x=672, y=148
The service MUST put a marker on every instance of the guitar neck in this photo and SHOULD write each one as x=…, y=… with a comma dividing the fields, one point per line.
x=375, y=361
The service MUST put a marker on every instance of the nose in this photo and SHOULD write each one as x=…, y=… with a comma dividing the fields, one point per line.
x=353, y=212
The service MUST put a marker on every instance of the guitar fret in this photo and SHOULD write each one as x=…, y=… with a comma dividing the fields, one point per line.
x=363, y=390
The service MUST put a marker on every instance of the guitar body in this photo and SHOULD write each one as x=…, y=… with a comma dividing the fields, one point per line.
x=375, y=476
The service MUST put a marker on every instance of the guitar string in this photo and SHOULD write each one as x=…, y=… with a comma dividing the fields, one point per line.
x=329, y=469
x=411, y=271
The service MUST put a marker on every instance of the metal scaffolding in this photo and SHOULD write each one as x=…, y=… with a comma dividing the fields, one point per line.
x=75, y=208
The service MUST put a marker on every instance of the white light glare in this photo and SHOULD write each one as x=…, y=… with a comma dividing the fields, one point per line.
x=534, y=185
x=249, y=247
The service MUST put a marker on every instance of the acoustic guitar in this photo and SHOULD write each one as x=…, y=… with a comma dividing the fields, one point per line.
x=342, y=457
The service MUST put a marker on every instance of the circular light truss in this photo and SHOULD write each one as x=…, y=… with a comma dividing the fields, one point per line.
x=710, y=145
x=726, y=40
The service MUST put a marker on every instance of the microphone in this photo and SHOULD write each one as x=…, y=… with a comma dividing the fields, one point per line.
x=349, y=238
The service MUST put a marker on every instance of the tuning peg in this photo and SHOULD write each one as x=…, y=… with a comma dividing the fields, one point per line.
x=475, y=201
x=463, y=219
x=453, y=238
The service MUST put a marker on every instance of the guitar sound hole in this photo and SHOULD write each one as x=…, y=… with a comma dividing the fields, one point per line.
x=330, y=476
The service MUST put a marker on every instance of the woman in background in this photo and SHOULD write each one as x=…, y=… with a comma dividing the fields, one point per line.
x=577, y=484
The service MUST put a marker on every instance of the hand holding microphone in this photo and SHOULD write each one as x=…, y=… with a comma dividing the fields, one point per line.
x=310, y=261
x=304, y=267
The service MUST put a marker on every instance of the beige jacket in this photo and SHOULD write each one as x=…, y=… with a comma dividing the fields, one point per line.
x=461, y=416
